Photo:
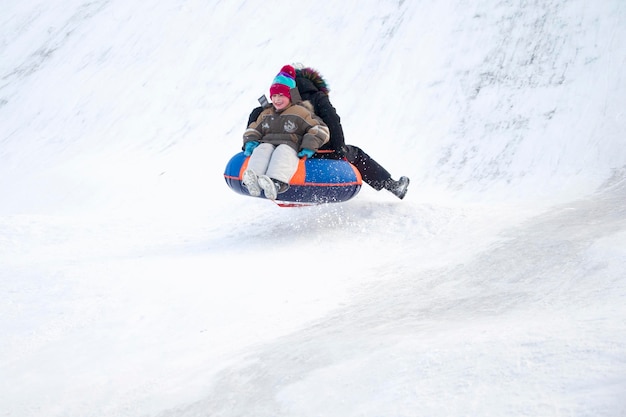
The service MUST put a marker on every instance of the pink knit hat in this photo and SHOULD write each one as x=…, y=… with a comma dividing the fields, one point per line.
x=284, y=81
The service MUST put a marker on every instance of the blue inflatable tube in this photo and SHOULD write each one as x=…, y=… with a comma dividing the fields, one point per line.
x=316, y=181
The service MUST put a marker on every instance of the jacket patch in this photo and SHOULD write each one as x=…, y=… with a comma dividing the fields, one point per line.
x=290, y=126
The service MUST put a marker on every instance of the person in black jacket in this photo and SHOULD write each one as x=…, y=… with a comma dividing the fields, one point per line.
x=313, y=88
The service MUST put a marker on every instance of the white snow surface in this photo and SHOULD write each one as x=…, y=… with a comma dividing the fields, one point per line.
x=134, y=282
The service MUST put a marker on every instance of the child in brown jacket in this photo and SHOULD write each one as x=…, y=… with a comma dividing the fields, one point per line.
x=281, y=135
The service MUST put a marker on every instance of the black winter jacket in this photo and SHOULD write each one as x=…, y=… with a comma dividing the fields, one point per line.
x=322, y=106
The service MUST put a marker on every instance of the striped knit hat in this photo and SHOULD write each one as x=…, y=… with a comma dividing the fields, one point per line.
x=284, y=81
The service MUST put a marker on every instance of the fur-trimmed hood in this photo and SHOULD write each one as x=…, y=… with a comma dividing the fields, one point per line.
x=310, y=80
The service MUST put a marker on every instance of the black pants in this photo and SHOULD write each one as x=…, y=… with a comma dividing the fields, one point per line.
x=371, y=171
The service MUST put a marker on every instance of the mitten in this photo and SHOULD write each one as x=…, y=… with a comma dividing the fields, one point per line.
x=306, y=152
x=250, y=147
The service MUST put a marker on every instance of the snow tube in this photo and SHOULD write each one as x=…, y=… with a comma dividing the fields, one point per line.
x=316, y=181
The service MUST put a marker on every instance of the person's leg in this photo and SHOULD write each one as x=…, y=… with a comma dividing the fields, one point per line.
x=282, y=166
x=374, y=174
x=371, y=171
x=283, y=163
x=260, y=158
x=257, y=165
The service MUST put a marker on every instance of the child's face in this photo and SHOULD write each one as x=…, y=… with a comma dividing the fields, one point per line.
x=280, y=101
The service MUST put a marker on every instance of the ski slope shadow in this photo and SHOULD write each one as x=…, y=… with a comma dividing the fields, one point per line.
x=534, y=323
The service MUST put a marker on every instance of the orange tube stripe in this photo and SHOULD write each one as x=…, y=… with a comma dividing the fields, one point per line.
x=300, y=175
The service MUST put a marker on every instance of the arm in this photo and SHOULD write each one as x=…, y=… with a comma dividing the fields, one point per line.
x=253, y=133
x=316, y=135
x=254, y=115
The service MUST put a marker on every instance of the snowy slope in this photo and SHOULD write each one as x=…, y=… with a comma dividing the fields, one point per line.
x=136, y=283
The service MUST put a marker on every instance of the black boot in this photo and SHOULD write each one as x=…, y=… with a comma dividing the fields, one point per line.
x=398, y=188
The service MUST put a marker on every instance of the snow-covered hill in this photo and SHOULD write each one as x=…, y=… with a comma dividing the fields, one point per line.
x=137, y=283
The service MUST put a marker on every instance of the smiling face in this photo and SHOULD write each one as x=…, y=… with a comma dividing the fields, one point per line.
x=280, y=101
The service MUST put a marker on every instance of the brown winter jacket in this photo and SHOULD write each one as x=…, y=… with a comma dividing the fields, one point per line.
x=295, y=126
